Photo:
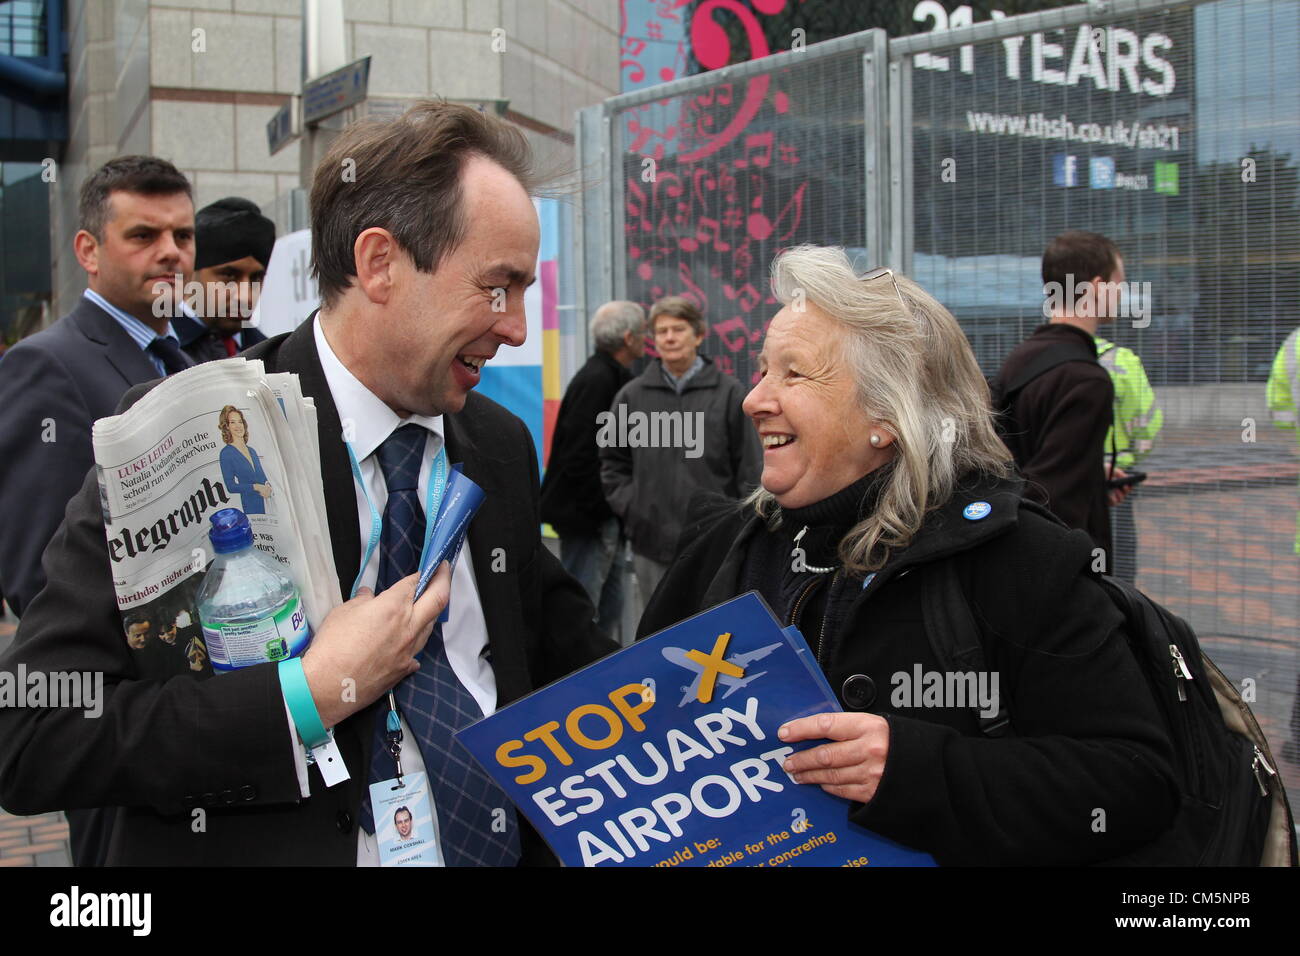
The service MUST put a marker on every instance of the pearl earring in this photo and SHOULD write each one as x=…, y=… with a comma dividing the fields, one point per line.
x=875, y=439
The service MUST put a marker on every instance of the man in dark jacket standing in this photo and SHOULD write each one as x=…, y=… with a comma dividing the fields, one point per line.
x=136, y=237
x=1057, y=422
x=591, y=539
x=676, y=429
x=136, y=245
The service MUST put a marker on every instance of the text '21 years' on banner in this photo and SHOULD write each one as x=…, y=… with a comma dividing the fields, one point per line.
x=666, y=754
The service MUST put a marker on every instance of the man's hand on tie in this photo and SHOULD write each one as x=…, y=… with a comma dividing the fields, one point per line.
x=373, y=642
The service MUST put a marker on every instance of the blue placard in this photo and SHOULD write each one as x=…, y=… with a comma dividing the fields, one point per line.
x=623, y=763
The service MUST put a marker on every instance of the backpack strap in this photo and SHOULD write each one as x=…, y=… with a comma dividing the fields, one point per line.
x=954, y=636
x=1042, y=363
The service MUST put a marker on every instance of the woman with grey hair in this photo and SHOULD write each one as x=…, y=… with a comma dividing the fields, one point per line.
x=883, y=481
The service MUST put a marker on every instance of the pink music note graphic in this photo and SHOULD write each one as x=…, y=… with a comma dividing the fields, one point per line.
x=702, y=234
x=758, y=150
x=643, y=134
x=688, y=280
x=635, y=204
x=747, y=295
x=733, y=333
x=797, y=202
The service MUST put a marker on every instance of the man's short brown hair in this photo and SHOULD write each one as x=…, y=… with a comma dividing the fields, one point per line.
x=404, y=175
x=146, y=175
x=1075, y=256
x=679, y=307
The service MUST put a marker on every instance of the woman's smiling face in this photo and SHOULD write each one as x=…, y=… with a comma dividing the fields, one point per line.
x=816, y=436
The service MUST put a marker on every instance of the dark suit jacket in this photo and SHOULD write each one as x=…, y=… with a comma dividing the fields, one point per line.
x=203, y=345
x=53, y=385
x=160, y=750
x=572, y=498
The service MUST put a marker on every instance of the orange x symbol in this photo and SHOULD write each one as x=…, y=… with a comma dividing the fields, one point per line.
x=713, y=664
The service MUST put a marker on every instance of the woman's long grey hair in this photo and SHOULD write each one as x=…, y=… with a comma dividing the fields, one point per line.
x=916, y=376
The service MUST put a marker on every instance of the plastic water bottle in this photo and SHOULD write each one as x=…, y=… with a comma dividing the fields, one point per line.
x=249, y=609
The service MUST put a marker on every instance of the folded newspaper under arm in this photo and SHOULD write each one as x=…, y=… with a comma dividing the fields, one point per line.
x=219, y=435
x=666, y=754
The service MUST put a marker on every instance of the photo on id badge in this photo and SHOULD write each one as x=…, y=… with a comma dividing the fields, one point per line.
x=405, y=827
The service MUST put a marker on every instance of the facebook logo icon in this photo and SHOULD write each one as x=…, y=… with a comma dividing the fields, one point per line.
x=1101, y=172
x=1065, y=171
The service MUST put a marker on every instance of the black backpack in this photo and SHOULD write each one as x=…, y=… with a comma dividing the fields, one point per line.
x=1233, y=807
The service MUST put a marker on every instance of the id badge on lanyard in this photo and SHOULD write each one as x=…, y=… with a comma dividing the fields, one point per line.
x=406, y=821
x=326, y=757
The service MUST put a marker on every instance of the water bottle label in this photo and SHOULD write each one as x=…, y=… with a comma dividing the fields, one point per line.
x=231, y=646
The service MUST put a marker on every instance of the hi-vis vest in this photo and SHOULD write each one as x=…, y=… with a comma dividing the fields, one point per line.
x=1137, y=416
x=1284, y=395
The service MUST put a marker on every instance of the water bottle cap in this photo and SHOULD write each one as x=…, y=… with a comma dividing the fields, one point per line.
x=230, y=531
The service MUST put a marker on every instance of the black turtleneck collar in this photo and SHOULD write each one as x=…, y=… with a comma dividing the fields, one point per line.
x=831, y=518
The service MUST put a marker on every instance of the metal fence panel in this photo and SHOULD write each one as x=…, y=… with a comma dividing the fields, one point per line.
x=1174, y=130
x=717, y=177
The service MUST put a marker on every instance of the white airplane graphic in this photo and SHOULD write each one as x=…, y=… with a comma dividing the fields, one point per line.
x=678, y=656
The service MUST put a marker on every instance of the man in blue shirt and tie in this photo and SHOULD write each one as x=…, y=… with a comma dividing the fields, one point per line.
x=136, y=239
x=136, y=242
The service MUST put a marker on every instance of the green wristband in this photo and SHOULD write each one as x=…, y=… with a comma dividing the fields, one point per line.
x=293, y=685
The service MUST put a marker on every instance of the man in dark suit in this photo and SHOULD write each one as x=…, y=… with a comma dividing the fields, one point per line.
x=136, y=238
x=136, y=244
x=232, y=249
x=422, y=264
x=573, y=502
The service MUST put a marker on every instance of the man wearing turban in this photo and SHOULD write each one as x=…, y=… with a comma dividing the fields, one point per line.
x=233, y=243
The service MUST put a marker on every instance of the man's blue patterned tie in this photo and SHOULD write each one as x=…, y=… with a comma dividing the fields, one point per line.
x=476, y=821
x=169, y=353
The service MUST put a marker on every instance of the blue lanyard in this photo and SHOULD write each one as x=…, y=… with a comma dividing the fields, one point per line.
x=433, y=500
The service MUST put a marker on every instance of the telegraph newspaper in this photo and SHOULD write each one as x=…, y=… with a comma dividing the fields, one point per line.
x=220, y=435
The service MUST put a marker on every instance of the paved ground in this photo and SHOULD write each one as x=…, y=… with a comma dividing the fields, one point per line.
x=31, y=841
x=1216, y=526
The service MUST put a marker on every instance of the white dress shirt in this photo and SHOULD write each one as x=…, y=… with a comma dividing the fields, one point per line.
x=368, y=422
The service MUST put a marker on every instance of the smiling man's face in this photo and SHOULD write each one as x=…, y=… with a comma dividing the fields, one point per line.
x=147, y=241
x=438, y=329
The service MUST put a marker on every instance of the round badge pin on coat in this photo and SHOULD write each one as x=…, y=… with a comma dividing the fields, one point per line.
x=977, y=510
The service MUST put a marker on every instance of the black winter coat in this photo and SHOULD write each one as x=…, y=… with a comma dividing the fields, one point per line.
x=1057, y=431
x=651, y=487
x=573, y=501
x=1087, y=735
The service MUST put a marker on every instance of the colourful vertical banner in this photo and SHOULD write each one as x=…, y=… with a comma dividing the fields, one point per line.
x=514, y=377
x=551, y=392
